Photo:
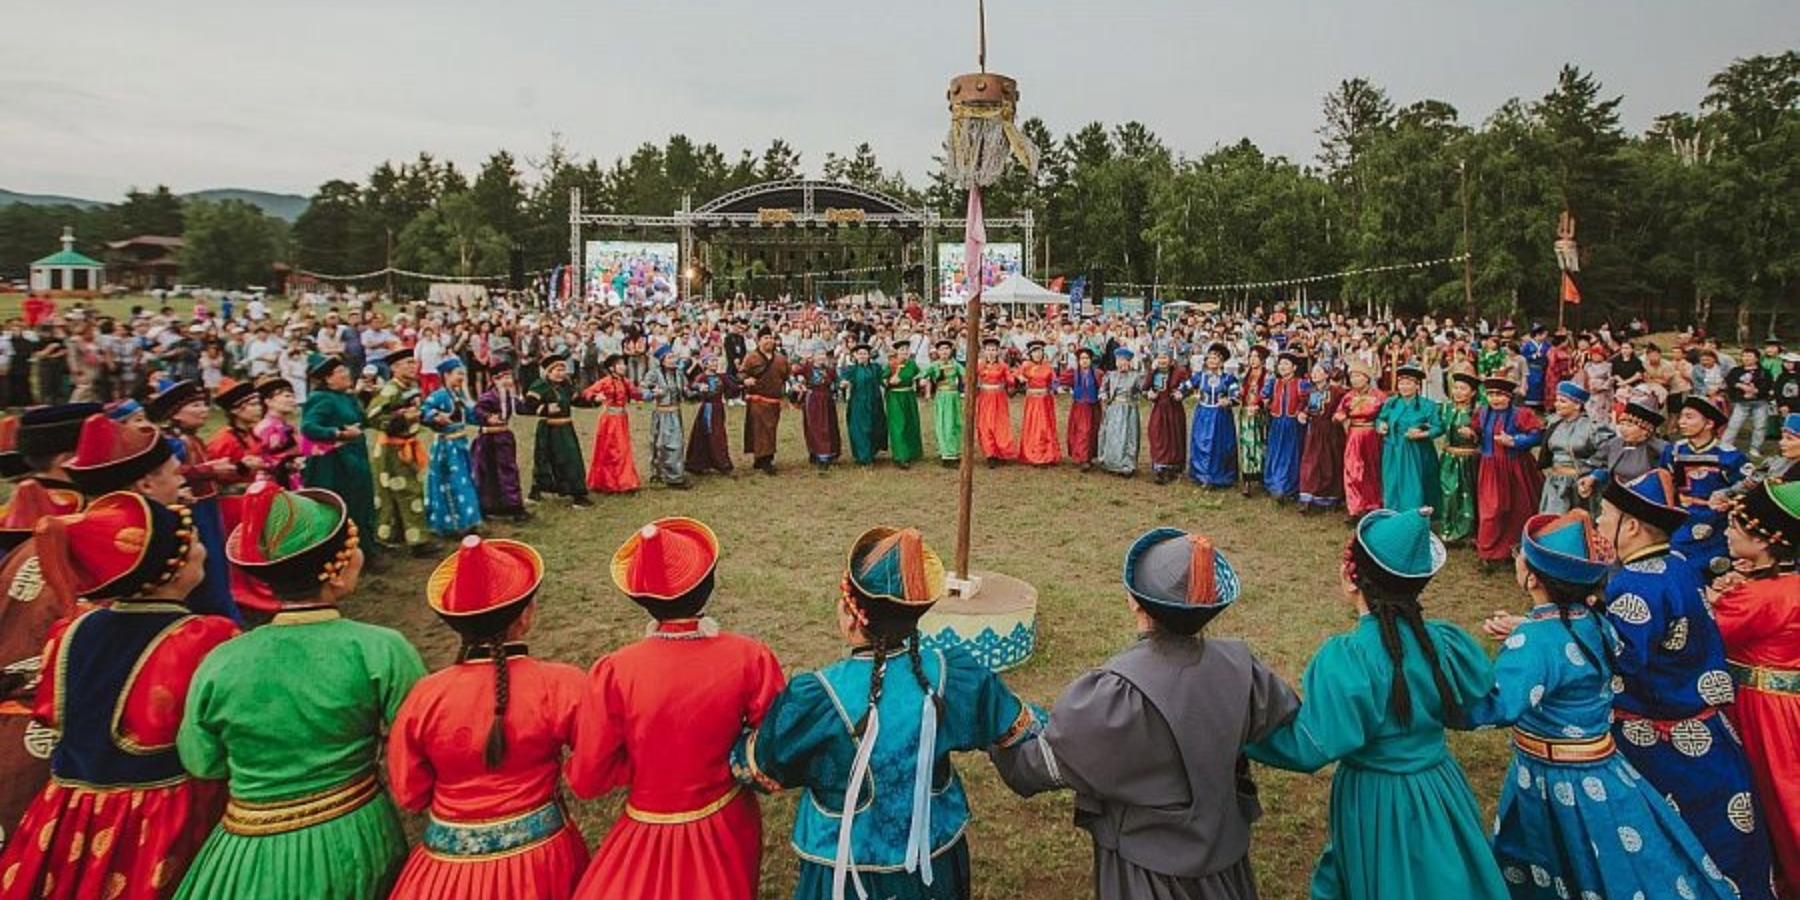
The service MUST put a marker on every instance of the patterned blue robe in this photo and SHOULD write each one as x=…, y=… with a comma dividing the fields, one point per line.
x=452, y=505
x=1285, y=399
x=1669, y=715
x=1699, y=471
x=1212, y=436
x=1580, y=829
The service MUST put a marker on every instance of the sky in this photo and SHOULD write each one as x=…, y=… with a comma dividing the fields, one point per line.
x=97, y=96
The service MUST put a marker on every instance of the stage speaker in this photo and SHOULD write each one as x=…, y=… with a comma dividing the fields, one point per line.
x=516, y=279
x=1096, y=289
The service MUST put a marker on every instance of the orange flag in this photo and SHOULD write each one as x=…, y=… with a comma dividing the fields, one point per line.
x=1570, y=293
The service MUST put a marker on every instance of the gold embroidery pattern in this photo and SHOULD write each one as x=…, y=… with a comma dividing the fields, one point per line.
x=27, y=583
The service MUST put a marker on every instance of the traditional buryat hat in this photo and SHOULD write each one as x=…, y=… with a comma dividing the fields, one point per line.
x=233, y=394
x=1644, y=415
x=1790, y=423
x=1034, y=345
x=450, y=364
x=1468, y=379
x=47, y=431
x=1706, y=408
x=1401, y=551
x=32, y=502
x=892, y=577
x=1410, y=371
x=668, y=567
x=320, y=366
x=554, y=360
x=290, y=542
x=168, y=401
x=607, y=363
x=481, y=588
x=1573, y=391
x=1562, y=547
x=1649, y=498
x=270, y=385
x=1124, y=353
x=943, y=344
x=1179, y=579
x=394, y=357
x=123, y=410
x=1499, y=383
x=123, y=546
x=110, y=456
x=1770, y=512
x=1298, y=360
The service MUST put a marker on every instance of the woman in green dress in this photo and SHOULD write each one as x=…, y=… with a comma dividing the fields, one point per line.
x=1403, y=822
x=331, y=431
x=293, y=714
x=1409, y=426
x=1455, y=516
x=945, y=377
x=865, y=416
x=904, y=443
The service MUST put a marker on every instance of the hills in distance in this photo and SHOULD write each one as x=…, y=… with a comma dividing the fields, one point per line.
x=281, y=206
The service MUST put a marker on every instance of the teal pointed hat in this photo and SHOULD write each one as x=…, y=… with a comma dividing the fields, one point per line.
x=1562, y=547
x=1401, y=543
x=1770, y=512
x=894, y=565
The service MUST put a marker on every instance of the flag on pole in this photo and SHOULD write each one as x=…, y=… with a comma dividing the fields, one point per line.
x=974, y=241
x=1570, y=293
x=1056, y=284
x=1077, y=291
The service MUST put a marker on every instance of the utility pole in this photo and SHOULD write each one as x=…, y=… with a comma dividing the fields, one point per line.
x=390, y=265
x=1462, y=170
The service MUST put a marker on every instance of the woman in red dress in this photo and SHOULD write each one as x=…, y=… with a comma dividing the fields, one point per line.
x=1167, y=428
x=480, y=744
x=1084, y=410
x=1037, y=433
x=119, y=818
x=1362, y=445
x=1322, y=455
x=1508, y=484
x=1758, y=611
x=614, y=470
x=660, y=718
x=993, y=411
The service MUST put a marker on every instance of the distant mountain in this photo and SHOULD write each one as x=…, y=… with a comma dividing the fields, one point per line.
x=8, y=198
x=281, y=206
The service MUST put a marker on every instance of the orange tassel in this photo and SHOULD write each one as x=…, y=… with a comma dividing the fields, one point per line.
x=1203, y=586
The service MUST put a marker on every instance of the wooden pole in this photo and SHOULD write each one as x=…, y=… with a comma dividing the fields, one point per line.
x=1462, y=168
x=965, y=503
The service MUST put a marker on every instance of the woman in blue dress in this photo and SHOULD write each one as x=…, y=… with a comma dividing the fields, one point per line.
x=452, y=505
x=1284, y=397
x=1212, y=437
x=1575, y=819
x=869, y=738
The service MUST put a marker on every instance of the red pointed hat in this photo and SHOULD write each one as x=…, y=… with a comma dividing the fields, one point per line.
x=110, y=456
x=665, y=559
x=484, y=576
x=123, y=546
x=32, y=501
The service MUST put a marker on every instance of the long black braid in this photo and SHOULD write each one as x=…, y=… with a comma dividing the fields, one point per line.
x=495, y=752
x=1390, y=610
x=918, y=667
x=879, y=645
x=1567, y=597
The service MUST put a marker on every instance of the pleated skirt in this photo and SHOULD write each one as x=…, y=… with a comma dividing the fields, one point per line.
x=353, y=857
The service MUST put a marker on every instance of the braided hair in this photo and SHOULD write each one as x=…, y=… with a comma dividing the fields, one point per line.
x=494, y=646
x=889, y=638
x=1393, y=604
x=1568, y=596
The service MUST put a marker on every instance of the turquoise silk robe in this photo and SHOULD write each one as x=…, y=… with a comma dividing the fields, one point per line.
x=807, y=741
x=1409, y=467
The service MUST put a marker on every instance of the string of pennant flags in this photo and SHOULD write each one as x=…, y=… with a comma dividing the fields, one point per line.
x=1308, y=279
x=407, y=273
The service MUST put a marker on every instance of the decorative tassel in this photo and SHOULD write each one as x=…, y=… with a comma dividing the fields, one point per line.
x=918, y=839
x=1203, y=586
x=841, y=867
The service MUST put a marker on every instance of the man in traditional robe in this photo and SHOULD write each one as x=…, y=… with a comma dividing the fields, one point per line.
x=765, y=375
x=399, y=457
x=1152, y=741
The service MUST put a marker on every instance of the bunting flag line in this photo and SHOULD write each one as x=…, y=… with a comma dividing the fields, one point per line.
x=1308, y=279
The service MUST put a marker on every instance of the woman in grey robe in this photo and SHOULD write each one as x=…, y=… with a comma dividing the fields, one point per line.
x=662, y=385
x=1152, y=741
x=1572, y=444
x=1119, y=432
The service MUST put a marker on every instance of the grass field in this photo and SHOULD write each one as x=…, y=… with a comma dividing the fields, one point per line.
x=783, y=543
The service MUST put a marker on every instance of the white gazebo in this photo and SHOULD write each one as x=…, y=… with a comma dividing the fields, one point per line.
x=68, y=271
x=1017, y=290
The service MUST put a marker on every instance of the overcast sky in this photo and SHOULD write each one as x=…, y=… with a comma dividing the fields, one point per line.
x=99, y=96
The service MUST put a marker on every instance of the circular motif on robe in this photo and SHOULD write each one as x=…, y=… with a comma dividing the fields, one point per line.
x=1710, y=868
x=1742, y=812
x=1691, y=738
x=1630, y=839
x=1655, y=565
x=1565, y=794
x=418, y=506
x=1515, y=640
x=1574, y=655
x=1702, y=531
x=39, y=741
x=1639, y=732
x=1540, y=877
x=1513, y=875
x=1630, y=608
x=1524, y=778
x=1670, y=799
x=1682, y=888
x=1715, y=688
x=1590, y=895
x=1593, y=787
x=1618, y=685
x=1571, y=731
x=398, y=483
x=1562, y=889
x=1537, y=695
x=27, y=583
x=1677, y=636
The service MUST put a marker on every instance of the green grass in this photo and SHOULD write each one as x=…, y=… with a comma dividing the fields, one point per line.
x=783, y=543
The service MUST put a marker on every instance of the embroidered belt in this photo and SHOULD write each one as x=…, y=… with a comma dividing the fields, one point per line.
x=993, y=387
x=495, y=429
x=900, y=390
x=1036, y=392
x=453, y=435
x=681, y=818
x=1563, y=751
x=1568, y=471
x=1221, y=406
x=1462, y=451
x=1664, y=729
x=758, y=398
x=667, y=407
x=1121, y=399
x=494, y=837
x=1359, y=424
x=398, y=441
x=613, y=411
x=562, y=421
x=1763, y=678
x=261, y=819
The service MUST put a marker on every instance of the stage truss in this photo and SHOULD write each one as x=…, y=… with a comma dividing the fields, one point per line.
x=797, y=203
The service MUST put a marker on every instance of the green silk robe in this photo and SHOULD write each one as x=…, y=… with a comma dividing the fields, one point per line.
x=904, y=442
x=1409, y=468
x=1455, y=515
x=557, y=466
x=946, y=377
x=865, y=417
x=344, y=469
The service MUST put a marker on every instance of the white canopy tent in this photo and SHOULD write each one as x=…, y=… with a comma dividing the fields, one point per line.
x=1017, y=290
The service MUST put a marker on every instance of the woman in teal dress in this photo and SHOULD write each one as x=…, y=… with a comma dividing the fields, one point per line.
x=331, y=428
x=1403, y=822
x=1409, y=425
x=873, y=734
x=865, y=417
x=452, y=506
x=292, y=714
